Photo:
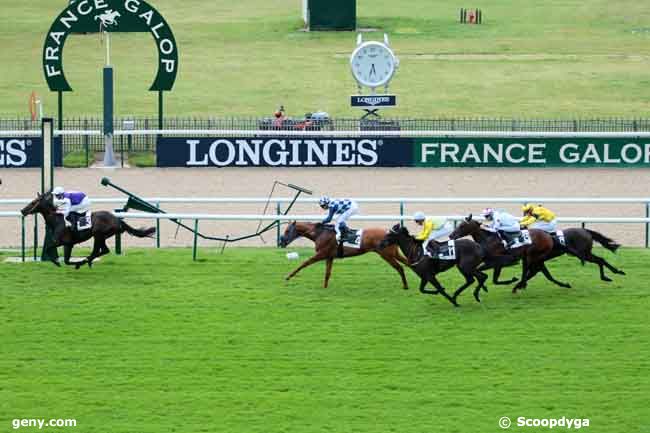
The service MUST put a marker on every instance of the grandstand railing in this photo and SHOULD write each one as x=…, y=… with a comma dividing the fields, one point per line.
x=127, y=142
x=279, y=201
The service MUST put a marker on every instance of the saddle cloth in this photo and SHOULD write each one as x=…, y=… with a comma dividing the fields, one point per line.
x=351, y=238
x=520, y=241
x=559, y=236
x=84, y=221
x=447, y=251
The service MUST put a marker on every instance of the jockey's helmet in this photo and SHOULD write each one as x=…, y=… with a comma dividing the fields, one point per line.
x=527, y=208
x=418, y=216
x=58, y=192
x=324, y=201
x=488, y=213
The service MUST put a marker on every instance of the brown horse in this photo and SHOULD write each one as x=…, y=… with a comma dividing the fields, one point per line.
x=327, y=249
x=496, y=256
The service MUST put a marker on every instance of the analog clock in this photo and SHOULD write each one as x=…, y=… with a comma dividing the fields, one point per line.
x=373, y=64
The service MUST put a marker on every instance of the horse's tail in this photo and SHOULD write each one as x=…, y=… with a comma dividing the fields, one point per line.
x=608, y=243
x=140, y=233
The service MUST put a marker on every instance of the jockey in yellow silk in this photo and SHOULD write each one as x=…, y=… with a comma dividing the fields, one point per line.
x=432, y=229
x=538, y=217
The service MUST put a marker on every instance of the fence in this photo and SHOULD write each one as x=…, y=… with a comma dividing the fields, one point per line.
x=401, y=216
x=146, y=143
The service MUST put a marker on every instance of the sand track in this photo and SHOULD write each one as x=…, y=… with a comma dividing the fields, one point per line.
x=366, y=182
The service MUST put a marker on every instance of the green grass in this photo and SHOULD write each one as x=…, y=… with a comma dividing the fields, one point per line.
x=142, y=159
x=562, y=59
x=153, y=342
x=75, y=159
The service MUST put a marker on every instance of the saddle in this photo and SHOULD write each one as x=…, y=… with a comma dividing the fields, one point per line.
x=442, y=250
x=515, y=240
x=558, y=239
x=348, y=235
x=79, y=221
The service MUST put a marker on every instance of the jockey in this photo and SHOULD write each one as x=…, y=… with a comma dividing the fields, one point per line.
x=344, y=208
x=538, y=217
x=70, y=204
x=432, y=229
x=502, y=223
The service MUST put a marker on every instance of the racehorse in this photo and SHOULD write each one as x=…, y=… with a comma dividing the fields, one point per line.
x=103, y=226
x=327, y=247
x=532, y=256
x=467, y=260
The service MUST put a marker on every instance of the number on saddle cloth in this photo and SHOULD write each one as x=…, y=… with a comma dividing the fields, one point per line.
x=81, y=220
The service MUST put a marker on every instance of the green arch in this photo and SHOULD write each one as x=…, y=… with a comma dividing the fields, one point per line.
x=91, y=16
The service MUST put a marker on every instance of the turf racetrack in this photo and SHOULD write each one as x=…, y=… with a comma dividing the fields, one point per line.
x=152, y=342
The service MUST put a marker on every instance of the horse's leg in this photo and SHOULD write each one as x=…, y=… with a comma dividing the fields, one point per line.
x=104, y=248
x=481, y=277
x=505, y=261
x=310, y=261
x=423, y=283
x=67, y=253
x=433, y=280
x=524, y=273
x=328, y=271
x=97, y=250
x=602, y=263
x=392, y=260
x=549, y=277
x=469, y=279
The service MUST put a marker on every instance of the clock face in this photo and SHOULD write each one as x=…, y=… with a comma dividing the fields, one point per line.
x=373, y=64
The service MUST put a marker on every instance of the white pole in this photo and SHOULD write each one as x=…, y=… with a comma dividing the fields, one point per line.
x=108, y=48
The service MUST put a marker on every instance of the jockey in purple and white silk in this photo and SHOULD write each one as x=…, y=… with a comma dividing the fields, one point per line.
x=70, y=201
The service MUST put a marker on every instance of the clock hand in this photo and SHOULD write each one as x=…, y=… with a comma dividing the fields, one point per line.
x=372, y=70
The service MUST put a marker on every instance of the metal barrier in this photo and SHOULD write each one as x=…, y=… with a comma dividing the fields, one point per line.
x=281, y=217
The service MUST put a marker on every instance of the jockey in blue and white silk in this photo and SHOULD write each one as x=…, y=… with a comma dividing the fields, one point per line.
x=342, y=208
x=70, y=201
x=498, y=221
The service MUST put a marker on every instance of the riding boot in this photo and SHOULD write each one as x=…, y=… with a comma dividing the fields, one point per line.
x=72, y=217
x=432, y=249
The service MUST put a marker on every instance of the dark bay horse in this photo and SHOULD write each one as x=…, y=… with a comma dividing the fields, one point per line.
x=497, y=256
x=104, y=225
x=327, y=249
x=579, y=242
x=468, y=259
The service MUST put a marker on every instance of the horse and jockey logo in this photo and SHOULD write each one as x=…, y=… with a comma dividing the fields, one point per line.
x=108, y=18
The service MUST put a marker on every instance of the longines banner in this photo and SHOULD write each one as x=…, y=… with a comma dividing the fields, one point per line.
x=26, y=152
x=283, y=152
x=401, y=152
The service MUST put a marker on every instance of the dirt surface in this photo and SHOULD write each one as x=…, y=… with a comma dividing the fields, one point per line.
x=344, y=182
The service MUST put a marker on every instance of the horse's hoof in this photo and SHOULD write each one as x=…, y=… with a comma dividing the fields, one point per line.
x=476, y=297
x=405, y=288
x=566, y=286
x=621, y=273
x=607, y=279
x=57, y=264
